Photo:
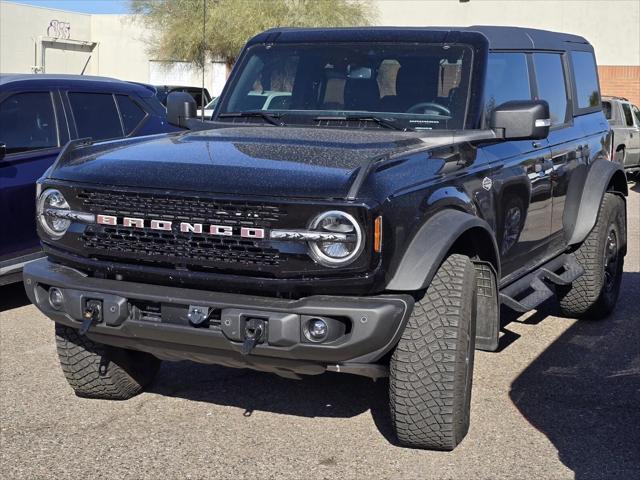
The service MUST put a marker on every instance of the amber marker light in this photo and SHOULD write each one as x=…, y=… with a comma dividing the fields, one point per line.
x=377, y=235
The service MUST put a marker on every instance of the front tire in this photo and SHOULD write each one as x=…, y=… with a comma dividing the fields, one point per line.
x=95, y=370
x=594, y=294
x=432, y=366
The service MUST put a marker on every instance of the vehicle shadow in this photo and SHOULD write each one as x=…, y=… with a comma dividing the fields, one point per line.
x=12, y=296
x=583, y=392
x=327, y=395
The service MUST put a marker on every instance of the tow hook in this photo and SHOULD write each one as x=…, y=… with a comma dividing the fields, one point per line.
x=92, y=314
x=254, y=328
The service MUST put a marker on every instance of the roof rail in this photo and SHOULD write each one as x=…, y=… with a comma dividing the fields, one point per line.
x=614, y=97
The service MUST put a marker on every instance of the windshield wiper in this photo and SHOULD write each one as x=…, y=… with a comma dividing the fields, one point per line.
x=272, y=118
x=383, y=122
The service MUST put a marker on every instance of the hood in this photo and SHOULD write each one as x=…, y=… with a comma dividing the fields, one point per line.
x=261, y=161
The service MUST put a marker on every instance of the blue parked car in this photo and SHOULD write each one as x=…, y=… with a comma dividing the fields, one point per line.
x=39, y=114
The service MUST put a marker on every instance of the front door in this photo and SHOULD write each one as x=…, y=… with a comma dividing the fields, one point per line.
x=521, y=182
x=32, y=139
x=632, y=120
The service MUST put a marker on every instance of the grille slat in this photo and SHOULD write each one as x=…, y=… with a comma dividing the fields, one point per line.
x=177, y=248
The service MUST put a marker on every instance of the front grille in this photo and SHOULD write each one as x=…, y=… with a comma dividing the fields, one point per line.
x=164, y=207
x=182, y=249
x=177, y=249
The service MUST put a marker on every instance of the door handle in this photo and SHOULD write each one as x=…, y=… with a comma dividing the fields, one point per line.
x=536, y=144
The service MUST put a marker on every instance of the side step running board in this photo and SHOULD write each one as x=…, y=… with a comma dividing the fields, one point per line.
x=562, y=270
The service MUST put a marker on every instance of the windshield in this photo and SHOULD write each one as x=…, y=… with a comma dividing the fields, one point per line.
x=416, y=86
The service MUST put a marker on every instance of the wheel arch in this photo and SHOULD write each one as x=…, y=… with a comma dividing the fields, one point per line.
x=582, y=210
x=449, y=231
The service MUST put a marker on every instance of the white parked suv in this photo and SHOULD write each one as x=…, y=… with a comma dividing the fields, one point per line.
x=624, y=118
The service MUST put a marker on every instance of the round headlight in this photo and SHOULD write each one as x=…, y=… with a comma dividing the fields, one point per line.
x=341, y=252
x=50, y=202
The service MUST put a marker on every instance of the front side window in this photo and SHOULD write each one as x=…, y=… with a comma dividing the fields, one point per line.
x=96, y=115
x=551, y=84
x=628, y=116
x=27, y=122
x=507, y=79
x=416, y=86
x=586, y=78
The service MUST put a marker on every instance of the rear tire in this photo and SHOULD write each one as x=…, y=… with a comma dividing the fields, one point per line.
x=432, y=366
x=95, y=370
x=594, y=294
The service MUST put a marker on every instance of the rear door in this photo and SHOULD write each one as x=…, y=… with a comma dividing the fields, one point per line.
x=632, y=126
x=32, y=126
x=565, y=138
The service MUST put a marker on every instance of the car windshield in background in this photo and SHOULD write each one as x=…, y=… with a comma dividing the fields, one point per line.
x=400, y=86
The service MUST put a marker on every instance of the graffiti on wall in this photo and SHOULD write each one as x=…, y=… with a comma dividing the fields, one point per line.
x=58, y=29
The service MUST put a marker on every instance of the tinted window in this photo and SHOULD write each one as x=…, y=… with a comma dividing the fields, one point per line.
x=507, y=79
x=628, y=117
x=584, y=72
x=606, y=108
x=551, y=84
x=96, y=115
x=130, y=112
x=27, y=122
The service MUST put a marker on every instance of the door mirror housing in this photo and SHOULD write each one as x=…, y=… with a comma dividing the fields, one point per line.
x=180, y=108
x=521, y=120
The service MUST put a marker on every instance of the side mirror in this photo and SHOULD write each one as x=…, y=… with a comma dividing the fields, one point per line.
x=180, y=107
x=521, y=120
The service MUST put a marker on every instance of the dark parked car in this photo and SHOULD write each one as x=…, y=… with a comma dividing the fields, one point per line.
x=163, y=91
x=38, y=115
x=413, y=180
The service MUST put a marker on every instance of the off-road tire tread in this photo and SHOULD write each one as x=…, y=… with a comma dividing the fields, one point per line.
x=427, y=371
x=124, y=373
x=582, y=299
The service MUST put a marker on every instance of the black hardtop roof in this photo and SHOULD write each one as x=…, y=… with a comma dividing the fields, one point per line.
x=498, y=37
x=62, y=80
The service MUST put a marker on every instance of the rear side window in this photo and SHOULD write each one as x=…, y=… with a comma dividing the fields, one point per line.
x=507, y=79
x=551, y=84
x=27, y=122
x=130, y=112
x=606, y=108
x=628, y=117
x=586, y=77
x=96, y=115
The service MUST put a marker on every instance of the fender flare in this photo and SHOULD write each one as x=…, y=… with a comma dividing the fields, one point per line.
x=430, y=245
x=581, y=211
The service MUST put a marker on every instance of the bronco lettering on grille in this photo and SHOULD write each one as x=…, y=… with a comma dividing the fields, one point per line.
x=185, y=227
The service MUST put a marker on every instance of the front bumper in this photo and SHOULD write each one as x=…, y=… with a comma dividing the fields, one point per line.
x=153, y=318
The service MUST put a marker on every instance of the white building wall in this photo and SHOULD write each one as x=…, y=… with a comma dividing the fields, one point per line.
x=23, y=27
x=122, y=45
x=611, y=26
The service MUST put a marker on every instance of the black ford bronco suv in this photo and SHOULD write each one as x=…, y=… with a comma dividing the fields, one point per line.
x=401, y=185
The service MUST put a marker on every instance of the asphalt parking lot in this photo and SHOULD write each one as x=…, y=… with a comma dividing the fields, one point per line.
x=561, y=399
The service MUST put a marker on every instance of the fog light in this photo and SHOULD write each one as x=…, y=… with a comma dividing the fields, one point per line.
x=56, y=298
x=316, y=330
